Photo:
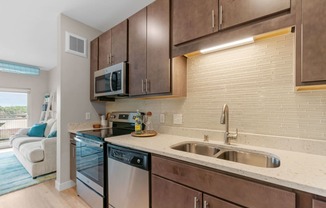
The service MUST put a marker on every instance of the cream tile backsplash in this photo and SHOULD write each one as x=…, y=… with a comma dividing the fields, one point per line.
x=256, y=81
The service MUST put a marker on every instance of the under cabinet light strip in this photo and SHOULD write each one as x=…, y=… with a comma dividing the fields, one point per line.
x=228, y=45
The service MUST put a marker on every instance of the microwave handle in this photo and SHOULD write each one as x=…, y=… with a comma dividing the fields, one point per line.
x=111, y=88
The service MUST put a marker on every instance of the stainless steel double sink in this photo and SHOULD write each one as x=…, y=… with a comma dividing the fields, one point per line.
x=259, y=159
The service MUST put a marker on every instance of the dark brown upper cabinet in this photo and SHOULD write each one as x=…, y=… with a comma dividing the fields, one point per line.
x=193, y=19
x=236, y=12
x=158, y=48
x=311, y=43
x=151, y=71
x=113, y=45
x=137, y=52
x=93, y=66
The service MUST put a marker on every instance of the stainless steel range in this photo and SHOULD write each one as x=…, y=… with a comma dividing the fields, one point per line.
x=91, y=159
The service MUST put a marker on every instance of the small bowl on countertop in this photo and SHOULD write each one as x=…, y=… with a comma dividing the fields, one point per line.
x=96, y=126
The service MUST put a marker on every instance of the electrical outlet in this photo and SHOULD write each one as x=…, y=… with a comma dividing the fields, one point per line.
x=87, y=115
x=162, y=118
x=177, y=119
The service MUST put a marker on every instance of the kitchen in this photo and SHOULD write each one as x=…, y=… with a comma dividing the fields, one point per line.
x=261, y=82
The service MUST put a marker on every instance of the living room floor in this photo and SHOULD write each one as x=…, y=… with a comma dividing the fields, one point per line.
x=43, y=195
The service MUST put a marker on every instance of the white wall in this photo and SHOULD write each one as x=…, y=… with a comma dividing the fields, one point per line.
x=73, y=93
x=257, y=81
x=38, y=86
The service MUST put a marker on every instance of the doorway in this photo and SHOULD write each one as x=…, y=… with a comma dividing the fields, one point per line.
x=13, y=113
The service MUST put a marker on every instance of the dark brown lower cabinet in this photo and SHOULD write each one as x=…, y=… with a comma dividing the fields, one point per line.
x=176, y=184
x=213, y=202
x=166, y=193
x=72, y=157
x=318, y=204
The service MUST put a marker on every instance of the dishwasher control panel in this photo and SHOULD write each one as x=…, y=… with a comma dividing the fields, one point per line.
x=129, y=156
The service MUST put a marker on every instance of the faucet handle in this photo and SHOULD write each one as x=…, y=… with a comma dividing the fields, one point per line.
x=234, y=135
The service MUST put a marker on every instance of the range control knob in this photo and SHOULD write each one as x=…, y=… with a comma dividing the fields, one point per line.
x=138, y=161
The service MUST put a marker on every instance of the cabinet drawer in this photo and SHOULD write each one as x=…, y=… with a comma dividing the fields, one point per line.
x=237, y=190
x=318, y=204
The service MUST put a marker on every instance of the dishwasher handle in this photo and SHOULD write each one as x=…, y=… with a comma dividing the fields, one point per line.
x=128, y=156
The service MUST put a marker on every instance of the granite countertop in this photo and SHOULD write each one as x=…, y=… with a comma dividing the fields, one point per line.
x=301, y=171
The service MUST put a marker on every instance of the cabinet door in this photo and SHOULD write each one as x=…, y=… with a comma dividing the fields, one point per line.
x=158, y=48
x=193, y=19
x=318, y=204
x=119, y=37
x=213, y=202
x=104, y=50
x=93, y=67
x=313, y=41
x=137, y=53
x=230, y=188
x=235, y=12
x=166, y=193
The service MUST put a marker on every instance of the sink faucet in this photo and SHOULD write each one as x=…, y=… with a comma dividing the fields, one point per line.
x=225, y=120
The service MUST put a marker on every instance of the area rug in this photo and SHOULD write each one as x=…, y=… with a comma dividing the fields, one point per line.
x=13, y=176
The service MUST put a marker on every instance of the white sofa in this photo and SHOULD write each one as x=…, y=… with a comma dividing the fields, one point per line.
x=36, y=154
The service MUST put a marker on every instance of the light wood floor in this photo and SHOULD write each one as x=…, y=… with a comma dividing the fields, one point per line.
x=43, y=195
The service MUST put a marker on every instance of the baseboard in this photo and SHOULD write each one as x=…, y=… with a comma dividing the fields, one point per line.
x=63, y=186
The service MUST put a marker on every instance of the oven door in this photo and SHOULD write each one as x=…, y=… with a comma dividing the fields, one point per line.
x=90, y=163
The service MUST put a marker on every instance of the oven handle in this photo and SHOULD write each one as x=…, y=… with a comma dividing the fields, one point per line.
x=94, y=144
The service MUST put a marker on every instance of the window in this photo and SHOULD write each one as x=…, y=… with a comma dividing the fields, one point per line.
x=18, y=68
x=13, y=112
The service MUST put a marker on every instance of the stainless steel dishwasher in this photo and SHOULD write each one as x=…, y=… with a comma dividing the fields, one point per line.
x=128, y=178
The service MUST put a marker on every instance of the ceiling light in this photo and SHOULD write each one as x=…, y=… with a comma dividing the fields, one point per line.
x=228, y=45
x=18, y=68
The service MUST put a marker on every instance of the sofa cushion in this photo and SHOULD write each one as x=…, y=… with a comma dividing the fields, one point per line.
x=49, y=126
x=37, y=130
x=17, y=142
x=53, y=131
x=32, y=151
x=52, y=134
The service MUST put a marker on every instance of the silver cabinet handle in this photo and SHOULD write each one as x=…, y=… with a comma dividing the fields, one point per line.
x=110, y=58
x=146, y=85
x=142, y=86
x=221, y=16
x=195, y=201
x=213, y=19
x=206, y=204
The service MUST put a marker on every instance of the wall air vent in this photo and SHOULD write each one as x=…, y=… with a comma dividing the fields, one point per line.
x=76, y=45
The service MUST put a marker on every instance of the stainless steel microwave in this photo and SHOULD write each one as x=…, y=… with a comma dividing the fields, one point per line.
x=111, y=81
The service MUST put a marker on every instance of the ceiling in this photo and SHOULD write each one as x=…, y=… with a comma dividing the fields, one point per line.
x=29, y=28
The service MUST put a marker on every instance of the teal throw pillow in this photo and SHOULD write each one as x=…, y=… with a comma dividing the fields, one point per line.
x=52, y=134
x=37, y=130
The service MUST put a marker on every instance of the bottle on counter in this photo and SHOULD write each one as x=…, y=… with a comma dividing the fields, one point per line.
x=148, y=123
x=138, y=123
x=103, y=121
